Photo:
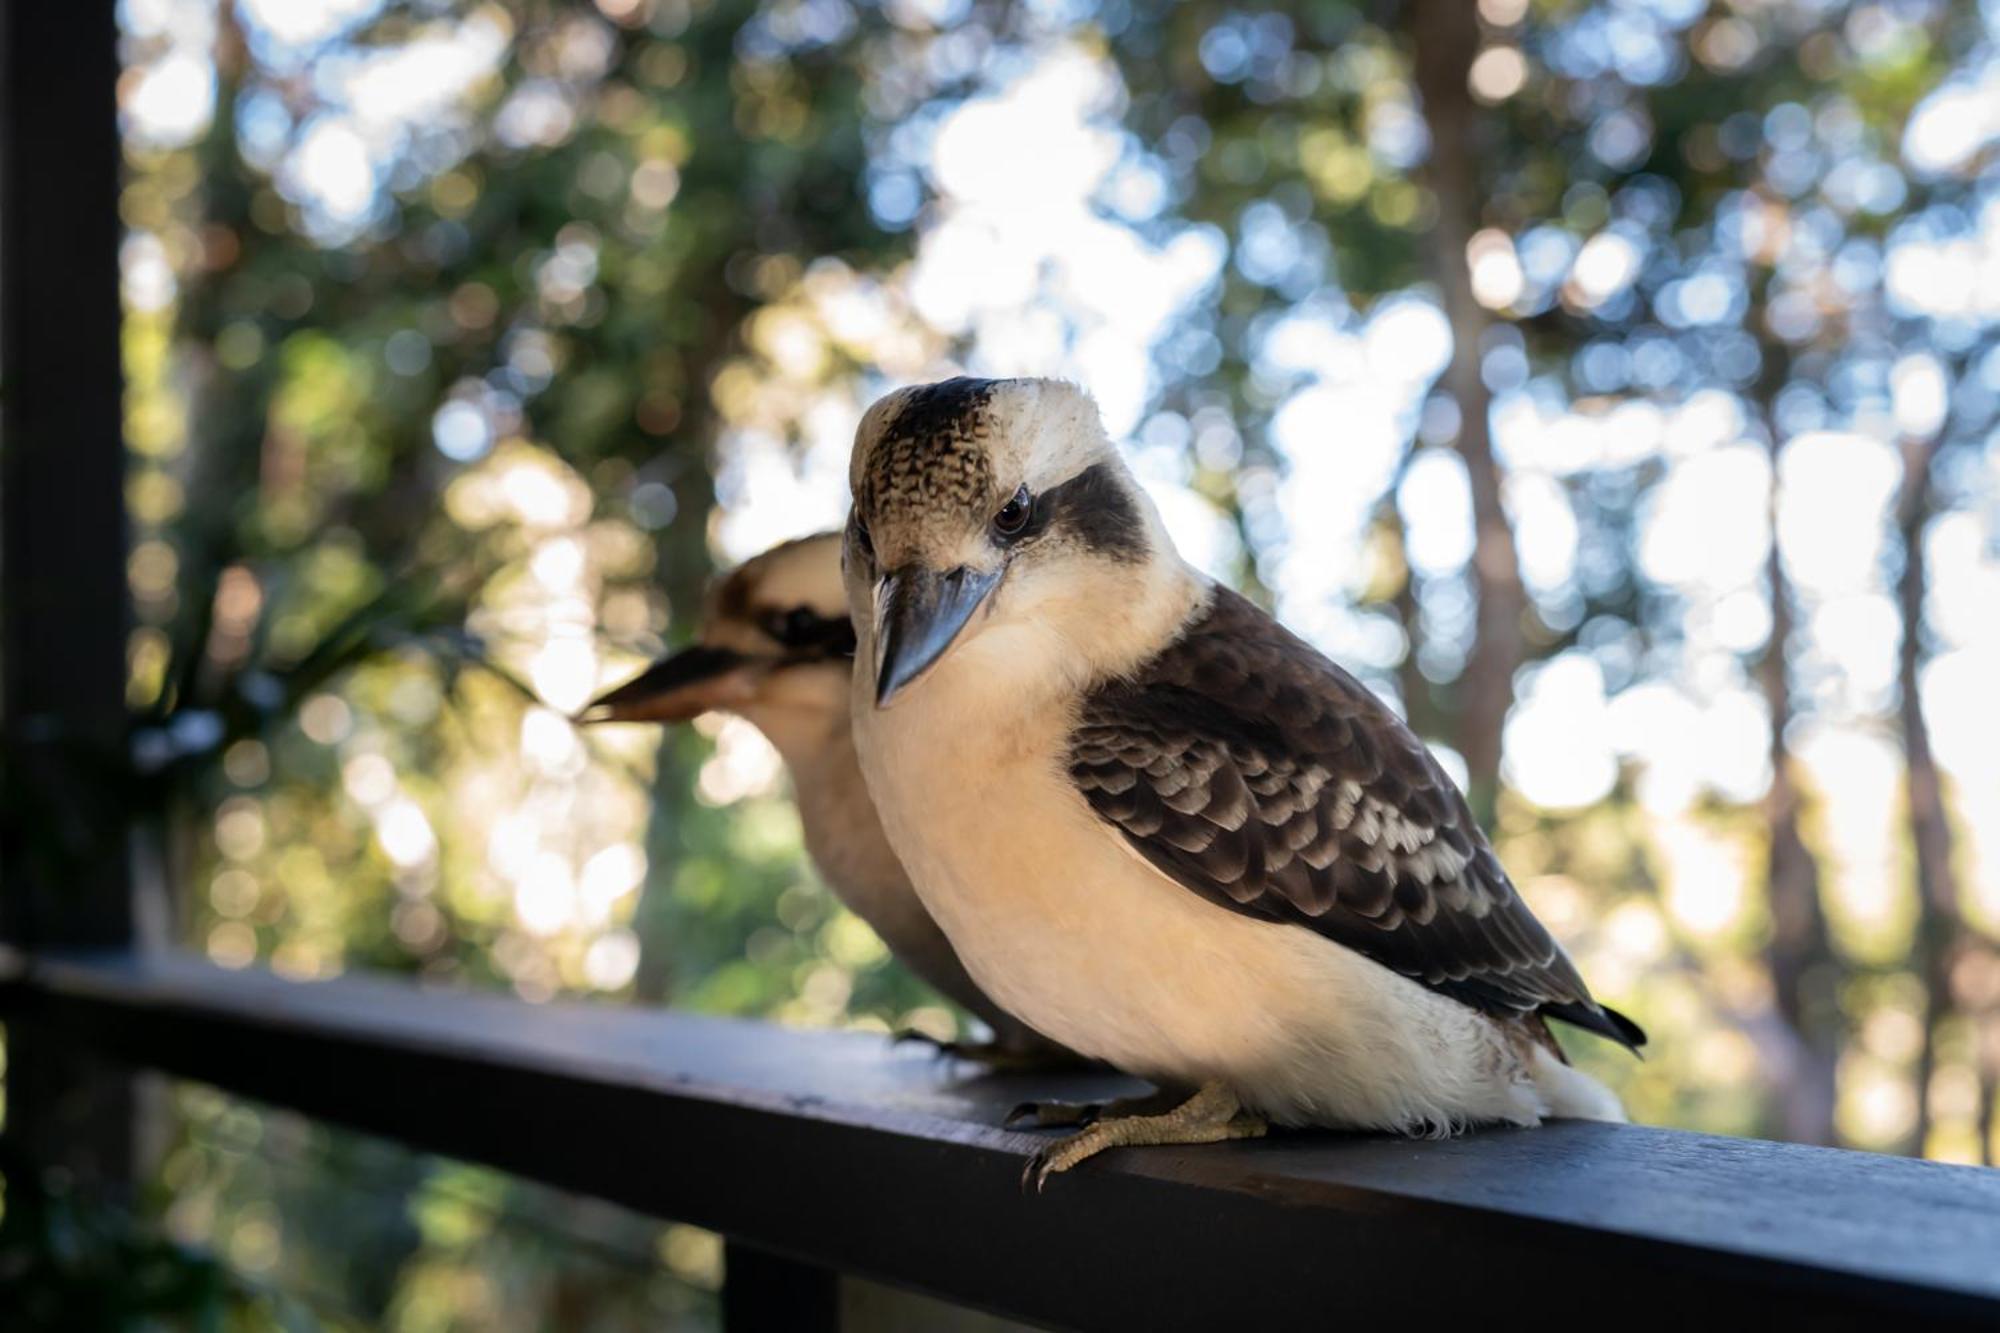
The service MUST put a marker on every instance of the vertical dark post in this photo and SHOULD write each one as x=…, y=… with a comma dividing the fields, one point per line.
x=766, y=1293
x=64, y=873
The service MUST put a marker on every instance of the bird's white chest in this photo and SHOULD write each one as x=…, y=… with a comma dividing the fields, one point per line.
x=1060, y=921
x=1045, y=911
x=1063, y=924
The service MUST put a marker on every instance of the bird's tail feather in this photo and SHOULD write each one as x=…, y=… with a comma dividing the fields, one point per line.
x=1601, y=1019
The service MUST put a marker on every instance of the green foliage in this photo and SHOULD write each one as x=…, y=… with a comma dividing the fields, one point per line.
x=79, y=1264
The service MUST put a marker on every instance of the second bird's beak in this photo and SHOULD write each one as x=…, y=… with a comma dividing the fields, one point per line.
x=674, y=689
x=918, y=616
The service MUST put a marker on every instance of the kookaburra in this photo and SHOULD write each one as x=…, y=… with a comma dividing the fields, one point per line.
x=1160, y=828
x=775, y=648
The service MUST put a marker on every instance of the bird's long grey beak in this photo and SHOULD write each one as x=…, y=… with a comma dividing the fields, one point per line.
x=918, y=615
x=677, y=688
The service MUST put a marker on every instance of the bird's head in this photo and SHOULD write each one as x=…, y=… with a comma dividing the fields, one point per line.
x=982, y=506
x=775, y=646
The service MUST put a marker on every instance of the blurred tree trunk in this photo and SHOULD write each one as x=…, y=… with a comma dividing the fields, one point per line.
x=1985, y=965
x=1805, y=981
x=1411, y=682
x=1989, y=1086
x=684, y=565
x=1938, y=926
x=226, y=413
x=227, y=408
x=1397, y=589
x=1446, y=38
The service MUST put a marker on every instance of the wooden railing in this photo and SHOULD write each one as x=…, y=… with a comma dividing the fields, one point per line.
x=819, y=1154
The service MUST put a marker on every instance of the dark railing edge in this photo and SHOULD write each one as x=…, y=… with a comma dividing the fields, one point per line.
x=897, y=1185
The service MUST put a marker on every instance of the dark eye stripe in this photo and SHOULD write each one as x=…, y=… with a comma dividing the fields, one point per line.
x=1094, y=509
x=1099, y=511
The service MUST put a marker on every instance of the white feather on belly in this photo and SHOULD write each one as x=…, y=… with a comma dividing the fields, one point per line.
x=1062, y=922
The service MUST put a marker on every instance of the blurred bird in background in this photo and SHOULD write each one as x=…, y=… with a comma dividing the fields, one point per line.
x=1159, y=827
x=775, y=648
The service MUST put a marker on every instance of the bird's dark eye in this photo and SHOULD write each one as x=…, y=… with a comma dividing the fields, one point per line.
x=799, y=625
x=1012, y=520
x=863, y=541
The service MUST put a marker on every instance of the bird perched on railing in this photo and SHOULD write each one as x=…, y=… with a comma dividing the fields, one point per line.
x=1160, y=828
x=776, y=647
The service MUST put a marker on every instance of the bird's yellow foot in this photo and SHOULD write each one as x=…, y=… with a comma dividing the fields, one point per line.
x=1212, y=1115
x=1070, y=1115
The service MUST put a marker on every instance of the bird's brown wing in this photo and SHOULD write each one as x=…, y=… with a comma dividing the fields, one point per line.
x=1249, y=768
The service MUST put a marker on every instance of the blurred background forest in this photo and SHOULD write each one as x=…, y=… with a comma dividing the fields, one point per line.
x=1612, y=384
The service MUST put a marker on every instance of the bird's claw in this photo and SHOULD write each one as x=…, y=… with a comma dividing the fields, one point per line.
x=1212, y=1115
x=904, y=1036
x=997, y=1056
x=1053, y=1115
x=940, y=1046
